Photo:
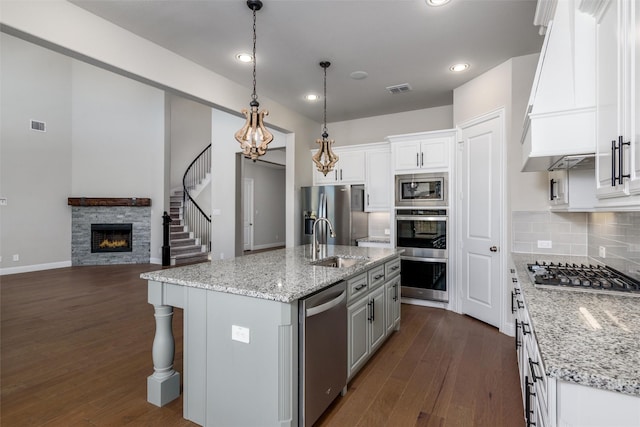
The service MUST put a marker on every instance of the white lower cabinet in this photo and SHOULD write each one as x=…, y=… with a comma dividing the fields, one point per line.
x=372, y=312
x=551, y=402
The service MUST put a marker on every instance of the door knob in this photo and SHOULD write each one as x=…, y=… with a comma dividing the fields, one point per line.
x=493, y=249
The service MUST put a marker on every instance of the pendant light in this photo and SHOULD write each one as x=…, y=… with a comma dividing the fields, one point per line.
x=254, y=137
x=325, y=159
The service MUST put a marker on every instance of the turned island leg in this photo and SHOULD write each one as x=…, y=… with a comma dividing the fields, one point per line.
x=163, y=385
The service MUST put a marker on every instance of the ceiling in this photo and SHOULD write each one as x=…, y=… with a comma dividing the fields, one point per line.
x=394, y=41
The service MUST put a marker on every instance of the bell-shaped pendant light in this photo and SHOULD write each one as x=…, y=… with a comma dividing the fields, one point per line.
x=254, y=137
x=325, y=158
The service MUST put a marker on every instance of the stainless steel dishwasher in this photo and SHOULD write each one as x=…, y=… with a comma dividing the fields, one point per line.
x=323, y=351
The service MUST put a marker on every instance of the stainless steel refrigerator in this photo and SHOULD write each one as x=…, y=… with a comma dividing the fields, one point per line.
x=343, y=205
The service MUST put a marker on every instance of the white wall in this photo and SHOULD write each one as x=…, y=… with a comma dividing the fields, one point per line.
x=375, y=129
x=190, y=134
x=35, y=167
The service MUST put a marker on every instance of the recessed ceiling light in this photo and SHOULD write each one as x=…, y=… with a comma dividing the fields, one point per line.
x=359, y=75
x=436, y=3
x=459, y=67
x=244, y=57
x=312, y=97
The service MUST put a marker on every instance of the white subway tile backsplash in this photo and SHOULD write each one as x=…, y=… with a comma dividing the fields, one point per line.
x=574, y=233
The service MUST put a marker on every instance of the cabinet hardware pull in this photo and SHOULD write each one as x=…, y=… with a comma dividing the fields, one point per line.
x=525, y=331
x=364, y=285
x=336, y=174
x=378, y=276
x=517, y=291
x=613, y=163
x=513, y=271
x=395, y=291
x=395, y=267
x=421, y=159
x=518, y=343
x=520, y=304
x=527, y=401
x=340, y=174
x=417, y=159
x=493, y=249
x=368, y=204
x=373, y=311
x=621, y=160
x=514, y=279
x=552, y=184
x=513, y=306
x=533, y=371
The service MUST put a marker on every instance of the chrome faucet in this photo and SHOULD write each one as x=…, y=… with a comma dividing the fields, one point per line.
x=315, y=244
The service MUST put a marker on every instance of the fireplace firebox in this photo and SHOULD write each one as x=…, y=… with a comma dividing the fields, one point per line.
x=111, y=238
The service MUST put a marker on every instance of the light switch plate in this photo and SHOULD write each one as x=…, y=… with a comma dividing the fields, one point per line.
x=241, y=334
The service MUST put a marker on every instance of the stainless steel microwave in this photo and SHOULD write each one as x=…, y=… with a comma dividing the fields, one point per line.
x=419, y=190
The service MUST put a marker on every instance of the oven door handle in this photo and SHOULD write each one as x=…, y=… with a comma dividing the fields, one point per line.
x=422, y=259
x=422, y=218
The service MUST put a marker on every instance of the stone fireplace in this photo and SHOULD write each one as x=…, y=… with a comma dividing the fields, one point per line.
x=110, y=230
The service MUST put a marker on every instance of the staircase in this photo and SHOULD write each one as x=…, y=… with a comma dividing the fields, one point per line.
x=185, y=248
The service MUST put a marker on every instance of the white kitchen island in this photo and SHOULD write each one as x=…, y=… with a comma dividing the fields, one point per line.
x=241, y=332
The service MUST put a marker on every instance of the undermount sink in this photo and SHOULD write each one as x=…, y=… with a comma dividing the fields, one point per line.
x=338, y=261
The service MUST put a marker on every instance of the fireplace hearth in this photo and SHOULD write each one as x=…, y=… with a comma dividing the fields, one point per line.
x=111, y=238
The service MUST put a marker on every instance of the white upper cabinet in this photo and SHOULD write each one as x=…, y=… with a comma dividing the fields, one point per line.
x=560, y=118
x=378, y=179
x=618, y=95
x=350, y=168
x=421, y=152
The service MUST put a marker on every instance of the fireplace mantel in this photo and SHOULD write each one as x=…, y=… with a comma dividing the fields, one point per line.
x=108, y=201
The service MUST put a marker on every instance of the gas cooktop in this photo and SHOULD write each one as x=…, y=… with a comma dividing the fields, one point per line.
x=594, y=278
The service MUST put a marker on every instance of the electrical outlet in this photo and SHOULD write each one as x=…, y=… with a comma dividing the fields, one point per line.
x=16, y=257
x=387, y=231
x=544, y=244
x=602, y=251
x=3, y=201
x=241, y=334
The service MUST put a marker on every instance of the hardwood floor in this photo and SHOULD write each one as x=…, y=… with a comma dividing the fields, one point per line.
x=76, y=351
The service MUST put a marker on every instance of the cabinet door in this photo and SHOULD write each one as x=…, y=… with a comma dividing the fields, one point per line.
x=406, y=155
x=609, y=105
x=358, y=337
x=634, y=116
x=392, y=303
x=350, y=167
x=378, y=181
x=377, y=323
x=434, y=153
x=558, y=188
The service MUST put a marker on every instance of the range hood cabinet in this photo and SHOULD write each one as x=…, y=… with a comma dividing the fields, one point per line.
x=561, y=115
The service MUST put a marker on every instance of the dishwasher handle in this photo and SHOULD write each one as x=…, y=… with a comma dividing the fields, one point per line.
x=326, y=306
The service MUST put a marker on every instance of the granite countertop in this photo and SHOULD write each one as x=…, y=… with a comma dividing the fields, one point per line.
x=606, y=354
x=283, y=275
x=375, y=239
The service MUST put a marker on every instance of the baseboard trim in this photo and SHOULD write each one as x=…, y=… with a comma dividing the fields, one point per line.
x=35, y=267
x=155, y=261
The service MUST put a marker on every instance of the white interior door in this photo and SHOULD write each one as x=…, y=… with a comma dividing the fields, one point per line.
x=480, y=185
x=248, y=214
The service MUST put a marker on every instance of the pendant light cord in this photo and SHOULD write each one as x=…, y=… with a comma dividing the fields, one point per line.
x=254, y=96
x=324, y=129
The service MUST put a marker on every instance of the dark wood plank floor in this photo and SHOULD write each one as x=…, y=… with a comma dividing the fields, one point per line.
x=76, y=351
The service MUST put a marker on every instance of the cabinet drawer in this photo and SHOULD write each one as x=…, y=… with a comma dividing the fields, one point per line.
x=357, y=287
x=392, y=268
x=376, y=276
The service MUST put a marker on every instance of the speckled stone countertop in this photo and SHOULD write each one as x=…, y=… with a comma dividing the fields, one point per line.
x=574, y=350
x=283, y=275
x=375, y=239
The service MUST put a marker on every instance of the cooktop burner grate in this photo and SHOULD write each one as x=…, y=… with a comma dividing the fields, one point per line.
x=582, y=277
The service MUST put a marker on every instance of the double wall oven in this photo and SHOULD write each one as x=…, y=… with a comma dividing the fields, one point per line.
x=422, y=230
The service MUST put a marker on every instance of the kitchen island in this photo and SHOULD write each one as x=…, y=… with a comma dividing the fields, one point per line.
x=588, y=371
x=241, y=331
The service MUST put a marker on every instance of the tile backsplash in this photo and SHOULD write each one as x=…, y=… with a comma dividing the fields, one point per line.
x=619, y=234
x=583, y=234
x=567, y=232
